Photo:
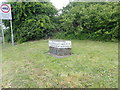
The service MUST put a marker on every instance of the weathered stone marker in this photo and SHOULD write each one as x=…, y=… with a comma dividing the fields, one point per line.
x=60, y=47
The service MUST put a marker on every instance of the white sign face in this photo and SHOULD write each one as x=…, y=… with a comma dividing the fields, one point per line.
x=5, y=12
x=59, y=44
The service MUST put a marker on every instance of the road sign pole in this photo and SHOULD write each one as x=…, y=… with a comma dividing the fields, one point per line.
x=3, y=40
x=5, y=14
x=12, y=37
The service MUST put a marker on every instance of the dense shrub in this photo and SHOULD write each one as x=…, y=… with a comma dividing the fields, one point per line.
x=97, y=21
x=81, y=20
x=31, y=21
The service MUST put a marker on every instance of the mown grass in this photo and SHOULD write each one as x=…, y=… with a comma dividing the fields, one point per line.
x=93, y=65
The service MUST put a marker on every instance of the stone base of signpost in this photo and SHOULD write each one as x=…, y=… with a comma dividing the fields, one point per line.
x=54, y=55
x=60, y=51
x=60, y=48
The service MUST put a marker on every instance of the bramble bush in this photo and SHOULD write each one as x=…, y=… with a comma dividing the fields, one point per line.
x=79, y=20
x=96, y=21
x=31, y=21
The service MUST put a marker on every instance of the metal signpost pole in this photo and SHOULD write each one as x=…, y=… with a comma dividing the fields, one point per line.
x=3, y=40
x=5, y=14
x=12, y=37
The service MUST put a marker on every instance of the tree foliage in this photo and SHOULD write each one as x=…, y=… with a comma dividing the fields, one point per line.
x=32, y=20
x=79, y=20
x=92, y=20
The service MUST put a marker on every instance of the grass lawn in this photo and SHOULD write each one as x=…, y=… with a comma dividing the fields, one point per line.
x=94, y=64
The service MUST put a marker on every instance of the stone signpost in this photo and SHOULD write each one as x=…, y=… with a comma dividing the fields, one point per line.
x=60, y=47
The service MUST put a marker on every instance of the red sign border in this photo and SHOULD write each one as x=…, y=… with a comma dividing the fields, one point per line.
x=5, y=5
